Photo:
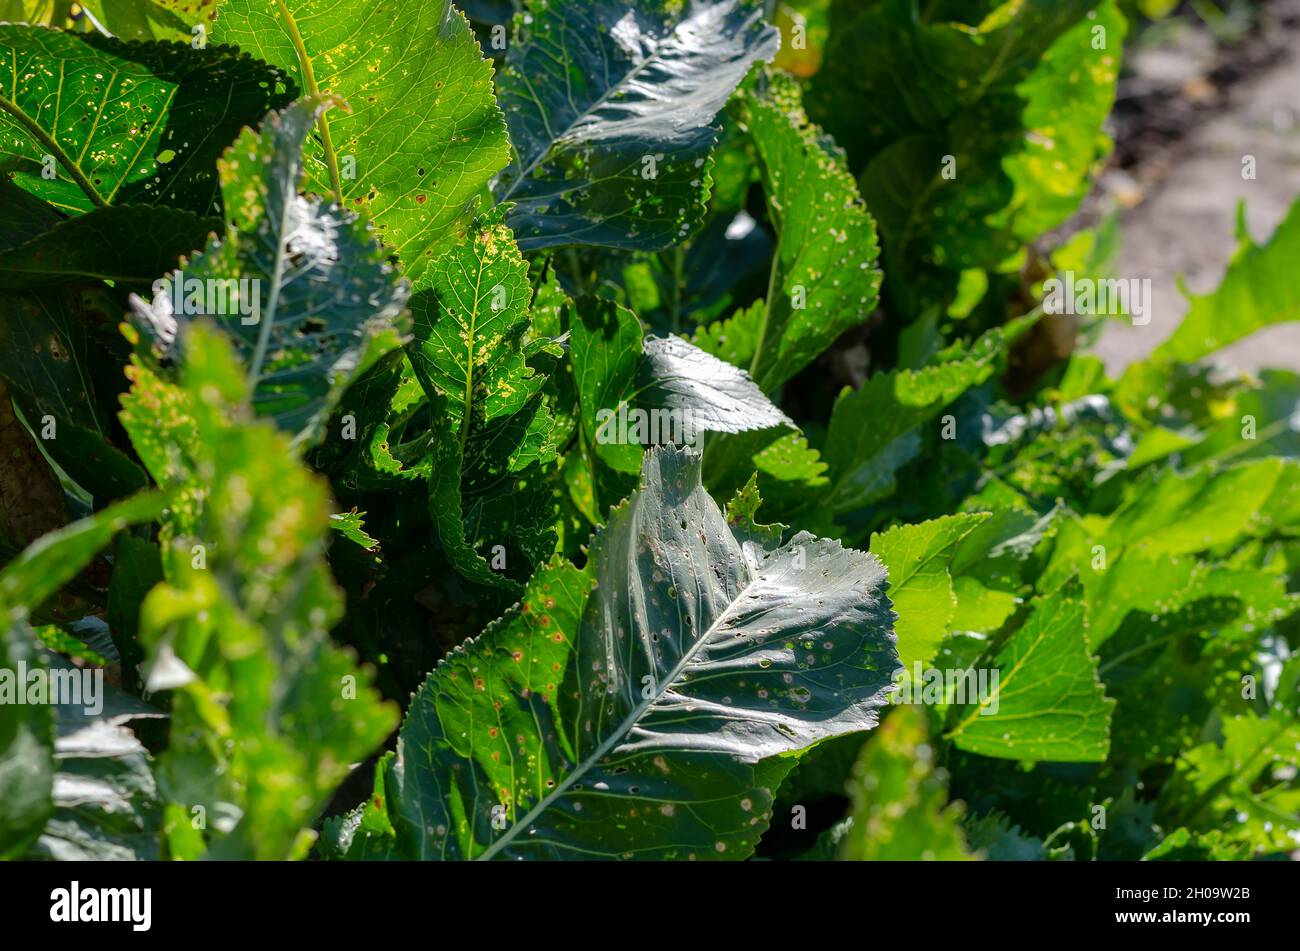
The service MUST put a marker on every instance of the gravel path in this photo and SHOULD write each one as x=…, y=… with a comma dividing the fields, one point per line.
x=1185, y=222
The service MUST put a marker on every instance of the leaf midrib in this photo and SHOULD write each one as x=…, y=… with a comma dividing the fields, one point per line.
x=309, y=80
x=615, y=735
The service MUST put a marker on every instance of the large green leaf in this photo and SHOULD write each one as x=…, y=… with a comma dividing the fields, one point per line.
x=708, y=394
x=106, y=805
x=1048, y=703
x=125, y=123
x=641, y=718
x=300, y=285
x=422, y=134
x=677, y=390
x=56, y=558
x=239, y=630
x=26, y=730
x=1178, y=514
x=610, y=110
x=824, y=278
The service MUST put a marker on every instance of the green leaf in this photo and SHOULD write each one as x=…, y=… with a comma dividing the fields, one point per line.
x=106, y=805
x=26, y=730
x=301, y=286
x=125, y=123
x=421, y=135
x=641, y=720
x=988, y=146
x=824, y=276
x=121, y=243
x=351, y=526
x=741, y=516
x=610, y=112
x=447, y=506
x=26, y=738
x=791, y=474
x=137, y=567
x=1177, y=514
x=900, y=807
x=1001, y=841
x=87, y=456
x=874, y=431
x=239, y=630
x=48, y=352
x=917, y=558
x=1244, y=779
x=734, y=339
x=676, y=390
x=1048, y=703
x=492, y=427
x=1258, y=291
x=53, y=560
x=705, y=393
x=471, y=314
x=606, y=348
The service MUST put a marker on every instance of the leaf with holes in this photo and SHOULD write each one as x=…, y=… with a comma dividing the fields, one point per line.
x=639, y=709
x=300, y=285
x=421, y=134
x=125, y=123
x=824, y=276
x=492, y=426
x=611, y=113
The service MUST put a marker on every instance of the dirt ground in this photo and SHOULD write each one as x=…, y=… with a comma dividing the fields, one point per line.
x=1182, y=195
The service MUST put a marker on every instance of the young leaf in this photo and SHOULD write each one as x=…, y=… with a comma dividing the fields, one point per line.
x=421, y=134
x=1259, y=290
x=639, y=719
x=108, y=114
x=610, y=112
x=305, y=291
x=874, y=431
x=917, y=558
x=1048, y=703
